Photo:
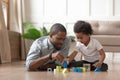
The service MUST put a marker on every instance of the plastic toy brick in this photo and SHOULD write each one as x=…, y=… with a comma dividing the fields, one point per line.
x=49, y=69
x=87, y=66
x=97, y=70
x=58, y=68
x=65, y=64
x=65, y=70
x=79, y=69
x=84, y=69
x=75, y=69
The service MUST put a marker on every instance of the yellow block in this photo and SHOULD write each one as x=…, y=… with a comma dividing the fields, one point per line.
x=65, y=70
x=84, y=69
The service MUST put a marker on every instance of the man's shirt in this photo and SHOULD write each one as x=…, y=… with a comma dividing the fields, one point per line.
x=42, y=47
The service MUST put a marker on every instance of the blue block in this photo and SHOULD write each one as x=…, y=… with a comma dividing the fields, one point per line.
x=75, y=69
x=97, y=70
x=79, y=70
x=65, y=64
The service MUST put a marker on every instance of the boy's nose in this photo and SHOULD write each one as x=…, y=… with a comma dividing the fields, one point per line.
x=79, y=40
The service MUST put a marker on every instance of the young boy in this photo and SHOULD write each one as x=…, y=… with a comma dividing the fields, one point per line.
x=90, y=48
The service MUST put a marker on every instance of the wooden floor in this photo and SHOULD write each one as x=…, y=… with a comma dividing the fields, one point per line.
x=17, y=71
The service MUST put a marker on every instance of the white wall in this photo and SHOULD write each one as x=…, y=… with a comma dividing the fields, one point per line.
x=47, y=12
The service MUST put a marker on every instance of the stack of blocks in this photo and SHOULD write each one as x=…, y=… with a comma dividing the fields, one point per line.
x=59, y=68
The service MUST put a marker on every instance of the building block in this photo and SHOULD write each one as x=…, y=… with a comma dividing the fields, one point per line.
x=65, y=70
x=79, y=70
x=87, y=66
x=49, y=69
x=97, y=70
x=58, y=68
x=75, y=69
x=65, y=64
x=84, y=69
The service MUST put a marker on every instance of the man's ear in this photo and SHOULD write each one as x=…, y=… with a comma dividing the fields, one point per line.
x=51, y=35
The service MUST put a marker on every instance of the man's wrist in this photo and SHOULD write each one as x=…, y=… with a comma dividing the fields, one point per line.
x=50, y=56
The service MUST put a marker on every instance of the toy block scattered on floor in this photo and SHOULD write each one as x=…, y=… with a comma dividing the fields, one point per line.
x=58, y=68
x=65, y=64
x=87, y=66
x=65, y=70
x=75, y=69
x=49, y=69
x=79, y=69
x=97, y=70
x=84, y=69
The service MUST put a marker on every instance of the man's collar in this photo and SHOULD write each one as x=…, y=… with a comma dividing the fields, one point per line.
x=50, y=45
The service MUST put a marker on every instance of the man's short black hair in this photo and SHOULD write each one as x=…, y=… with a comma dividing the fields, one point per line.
x=57, y=28
x=84, y=27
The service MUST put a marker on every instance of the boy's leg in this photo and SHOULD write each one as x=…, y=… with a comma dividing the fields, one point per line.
x=104, y=67
x=74, y=63
x=77, y=63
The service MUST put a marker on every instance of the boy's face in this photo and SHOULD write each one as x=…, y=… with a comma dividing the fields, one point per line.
x=83, y=38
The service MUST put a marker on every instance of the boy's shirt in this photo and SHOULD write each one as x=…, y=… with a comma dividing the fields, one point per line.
x=91, y=51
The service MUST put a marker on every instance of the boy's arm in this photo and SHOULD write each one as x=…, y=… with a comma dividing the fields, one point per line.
x=101, y=60
x=102, y=56
x=72, y=55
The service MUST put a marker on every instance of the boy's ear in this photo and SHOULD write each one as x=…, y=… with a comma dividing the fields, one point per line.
x=89, y=34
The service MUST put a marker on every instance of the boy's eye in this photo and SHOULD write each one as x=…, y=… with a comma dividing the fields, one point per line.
x=79, y=37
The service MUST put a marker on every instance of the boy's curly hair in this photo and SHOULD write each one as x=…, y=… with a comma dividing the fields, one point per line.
x=82, y=26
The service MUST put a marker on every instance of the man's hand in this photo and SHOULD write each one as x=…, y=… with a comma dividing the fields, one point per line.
x=57, y=56
x=67, y=60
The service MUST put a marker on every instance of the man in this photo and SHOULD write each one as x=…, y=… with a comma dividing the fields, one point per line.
x=49, y=51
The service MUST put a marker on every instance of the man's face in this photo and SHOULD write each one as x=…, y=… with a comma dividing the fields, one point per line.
x=58, y=39
x=83, y=38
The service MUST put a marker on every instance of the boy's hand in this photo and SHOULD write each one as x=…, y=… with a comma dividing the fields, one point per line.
x=98, y=64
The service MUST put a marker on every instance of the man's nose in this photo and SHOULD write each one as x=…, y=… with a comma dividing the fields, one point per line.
x=61, y=41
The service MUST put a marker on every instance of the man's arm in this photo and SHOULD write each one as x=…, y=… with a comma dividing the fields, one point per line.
x=38, y=62
x=34, y=60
